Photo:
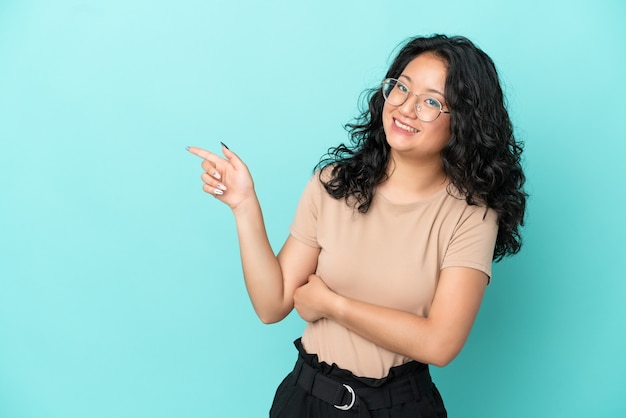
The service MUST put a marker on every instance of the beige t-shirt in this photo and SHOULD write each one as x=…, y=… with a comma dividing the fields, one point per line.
x=390, y=256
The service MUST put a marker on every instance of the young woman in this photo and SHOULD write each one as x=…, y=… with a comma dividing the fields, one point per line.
x=391, y=247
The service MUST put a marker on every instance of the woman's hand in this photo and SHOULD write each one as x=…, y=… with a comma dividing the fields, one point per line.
x=227, y=179
x=270, y=280
x=314, y=299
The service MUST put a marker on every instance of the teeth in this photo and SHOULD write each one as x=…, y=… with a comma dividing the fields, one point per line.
x=405, y=127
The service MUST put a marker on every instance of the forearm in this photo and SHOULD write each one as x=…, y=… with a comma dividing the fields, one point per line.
x=397, y=331
x=261, y=269
x=435, y=339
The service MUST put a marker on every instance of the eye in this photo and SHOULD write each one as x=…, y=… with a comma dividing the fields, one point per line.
x=402, y=87
x=432, y=102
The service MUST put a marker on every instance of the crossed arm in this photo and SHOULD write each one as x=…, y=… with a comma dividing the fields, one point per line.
x=277, y=284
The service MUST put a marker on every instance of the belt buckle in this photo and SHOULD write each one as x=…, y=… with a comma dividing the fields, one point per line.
x=348, y=405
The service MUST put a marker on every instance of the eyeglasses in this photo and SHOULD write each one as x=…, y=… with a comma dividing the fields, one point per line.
x=427, y=108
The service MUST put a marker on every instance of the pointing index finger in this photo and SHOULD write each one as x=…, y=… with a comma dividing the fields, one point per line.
x=202, y=153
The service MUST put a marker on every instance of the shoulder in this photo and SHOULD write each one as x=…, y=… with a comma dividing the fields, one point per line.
x=478, y=211
x=326, y=173
x=315, y=190
x=320, y=182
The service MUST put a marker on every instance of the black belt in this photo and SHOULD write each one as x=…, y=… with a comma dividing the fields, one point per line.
x=343, y=396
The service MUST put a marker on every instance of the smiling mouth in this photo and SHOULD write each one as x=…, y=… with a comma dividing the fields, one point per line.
x=405, y=127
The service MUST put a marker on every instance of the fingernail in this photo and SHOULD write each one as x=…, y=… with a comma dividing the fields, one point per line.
x=187, y=147
x=224, y=145
x=216, y=175
x=221, y=186
x=218, y=191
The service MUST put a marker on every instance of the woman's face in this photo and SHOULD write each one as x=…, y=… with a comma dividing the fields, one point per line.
x=406, y=134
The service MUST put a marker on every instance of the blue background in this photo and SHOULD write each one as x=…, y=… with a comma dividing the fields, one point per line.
x=120, y=286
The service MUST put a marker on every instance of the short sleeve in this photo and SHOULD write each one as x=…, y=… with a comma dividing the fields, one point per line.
x=473, y=242
x=304, y=225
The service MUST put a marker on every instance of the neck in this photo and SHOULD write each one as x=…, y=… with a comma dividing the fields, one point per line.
x=410, y=180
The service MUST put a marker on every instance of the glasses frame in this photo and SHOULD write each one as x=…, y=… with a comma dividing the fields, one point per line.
x=394, y=82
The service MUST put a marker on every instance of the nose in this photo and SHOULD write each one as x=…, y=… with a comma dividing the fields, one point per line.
x=408, y=108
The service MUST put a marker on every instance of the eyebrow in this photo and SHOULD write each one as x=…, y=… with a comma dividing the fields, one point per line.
x=429, y=90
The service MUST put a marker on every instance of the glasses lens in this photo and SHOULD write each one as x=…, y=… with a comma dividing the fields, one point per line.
x=427, y=108
x=394, y=92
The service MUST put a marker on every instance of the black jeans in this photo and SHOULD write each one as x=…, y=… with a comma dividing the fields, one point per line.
x=316, y=390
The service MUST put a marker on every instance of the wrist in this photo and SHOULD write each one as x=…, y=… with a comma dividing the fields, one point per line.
x=247, y=206
x=336, y=307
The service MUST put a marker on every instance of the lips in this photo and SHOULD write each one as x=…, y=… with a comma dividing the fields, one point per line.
x=404, y=127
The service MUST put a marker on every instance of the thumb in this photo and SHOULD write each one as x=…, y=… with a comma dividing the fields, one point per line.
x=231, y=156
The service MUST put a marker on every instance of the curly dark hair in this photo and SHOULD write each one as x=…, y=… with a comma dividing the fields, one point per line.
x=482, y=158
